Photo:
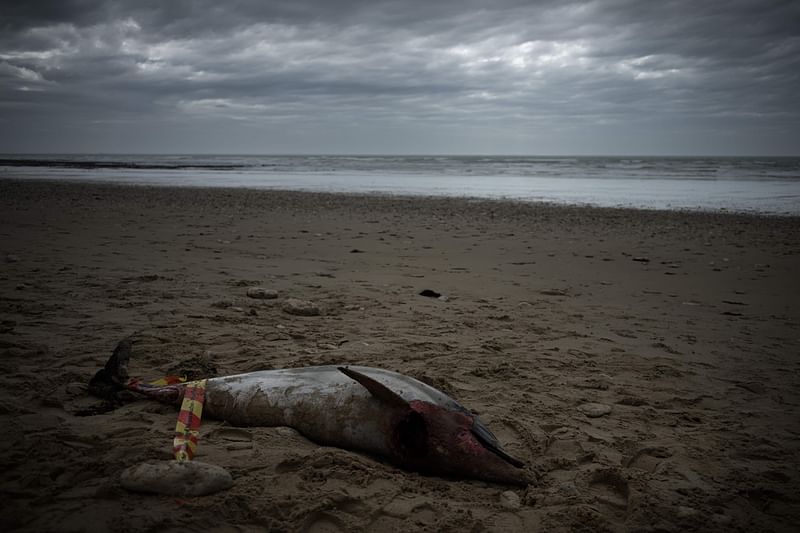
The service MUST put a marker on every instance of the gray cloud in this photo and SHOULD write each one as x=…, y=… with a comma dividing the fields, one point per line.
x=610, y=76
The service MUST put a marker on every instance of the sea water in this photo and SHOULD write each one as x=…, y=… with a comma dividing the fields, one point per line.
x=741, y=184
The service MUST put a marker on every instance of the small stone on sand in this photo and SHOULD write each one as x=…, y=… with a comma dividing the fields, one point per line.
x=293, y=306
x=509, y=499
x=176, y=478
x=430, y=294
x=568, y=487
x=261, y=293
x=594, y=410
x=554, y=292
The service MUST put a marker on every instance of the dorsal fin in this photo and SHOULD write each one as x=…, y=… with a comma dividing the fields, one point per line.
x=377, y=389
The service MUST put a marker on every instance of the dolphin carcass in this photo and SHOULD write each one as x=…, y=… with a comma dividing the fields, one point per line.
x=381, y=412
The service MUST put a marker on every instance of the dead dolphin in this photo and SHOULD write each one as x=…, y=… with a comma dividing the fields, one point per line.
x=381, y=412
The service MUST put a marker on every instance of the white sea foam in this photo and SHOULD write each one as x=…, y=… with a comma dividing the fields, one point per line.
x=766, y=185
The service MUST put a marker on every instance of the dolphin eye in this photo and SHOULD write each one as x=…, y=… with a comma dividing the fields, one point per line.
x=412, y=435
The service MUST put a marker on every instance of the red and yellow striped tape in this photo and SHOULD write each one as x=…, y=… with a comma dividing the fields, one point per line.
x=168, y=380
x=184, y=445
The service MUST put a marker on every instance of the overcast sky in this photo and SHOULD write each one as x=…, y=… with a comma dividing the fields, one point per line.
x=412, y=76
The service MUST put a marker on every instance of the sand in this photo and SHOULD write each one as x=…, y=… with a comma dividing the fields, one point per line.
x=644, y=364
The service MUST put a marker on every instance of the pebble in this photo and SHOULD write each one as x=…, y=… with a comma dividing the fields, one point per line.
x=430, y=294
x=510, y=500
x=594, y=410
x=176, y=478
x=293, y=306
x=553, y=292
x=260, y=293
x=599, y=382
x=568, y=487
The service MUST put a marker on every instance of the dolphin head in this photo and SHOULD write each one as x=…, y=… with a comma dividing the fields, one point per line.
x=435, y=439
x=431, y=438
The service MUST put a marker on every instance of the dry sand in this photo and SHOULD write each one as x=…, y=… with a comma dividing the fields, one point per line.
x=685, y=325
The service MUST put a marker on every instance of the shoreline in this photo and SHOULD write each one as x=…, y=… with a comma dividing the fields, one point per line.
x=684, y=325
x=77, y=182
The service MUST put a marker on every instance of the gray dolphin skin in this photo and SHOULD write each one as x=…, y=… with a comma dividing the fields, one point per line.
x=381, y=412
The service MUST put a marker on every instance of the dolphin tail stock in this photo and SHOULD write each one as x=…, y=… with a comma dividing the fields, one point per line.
x=182, y=476
x=113, y=379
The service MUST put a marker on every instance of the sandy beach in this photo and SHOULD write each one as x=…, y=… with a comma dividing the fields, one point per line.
x=644, y=364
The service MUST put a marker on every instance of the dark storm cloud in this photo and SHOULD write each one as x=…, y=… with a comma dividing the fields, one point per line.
x=610, y=75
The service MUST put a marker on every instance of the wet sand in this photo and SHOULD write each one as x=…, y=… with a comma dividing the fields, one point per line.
x=683, y=327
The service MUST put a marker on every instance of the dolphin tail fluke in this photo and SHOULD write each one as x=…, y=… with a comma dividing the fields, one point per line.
x=112, y=378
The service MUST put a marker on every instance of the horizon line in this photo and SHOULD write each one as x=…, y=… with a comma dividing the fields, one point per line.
x=355, y=154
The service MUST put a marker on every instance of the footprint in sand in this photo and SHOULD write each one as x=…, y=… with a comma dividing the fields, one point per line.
x=231, y=434
x=505, y=522
x=404, y=506
x=517, y=438
x=418, y=508
x=321, y=522
x=291, y=465
x=647, y=458
x=233, y=439
x=564, y=443
x=610, y=489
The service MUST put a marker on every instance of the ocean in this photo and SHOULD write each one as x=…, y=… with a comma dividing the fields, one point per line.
x=769, y=185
